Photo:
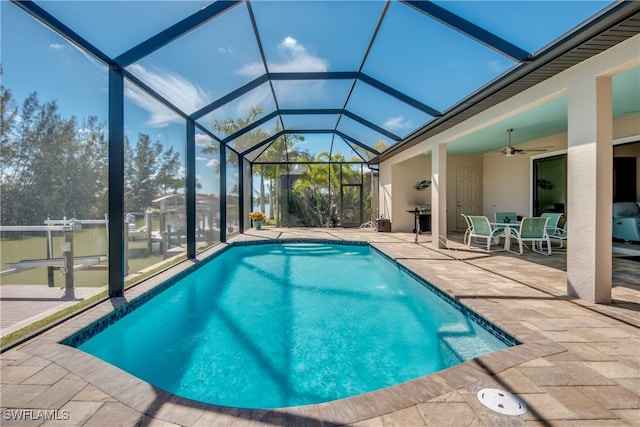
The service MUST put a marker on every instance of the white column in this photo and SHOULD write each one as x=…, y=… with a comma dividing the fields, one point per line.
x=439, y=196
x=589, y=188
x=385, y=191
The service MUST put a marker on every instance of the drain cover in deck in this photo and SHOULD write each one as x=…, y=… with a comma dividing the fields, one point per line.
x=502, y=401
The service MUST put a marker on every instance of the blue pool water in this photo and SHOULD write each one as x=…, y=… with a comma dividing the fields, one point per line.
x=276, y=325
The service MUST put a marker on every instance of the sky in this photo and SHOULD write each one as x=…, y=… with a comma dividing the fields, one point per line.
x=412, y=53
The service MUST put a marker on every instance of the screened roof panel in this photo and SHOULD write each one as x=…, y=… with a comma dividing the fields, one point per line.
x=520, y=22
x=315, y=144
x=306, y=40
x=244, y=70
x=204, y=64
x=430, y=61
x=282, y=149
x=240, y=112
x=310, y=121
x=357, y=152
x=362, y=133
x=116, y=26
x=309, y=94
x=346, y=151
x=35, y=59
x=385, y=111
x=255, y=136
x=254, y=154
x=206, y=143
x=248, y=140
x=311, y=148
x=149, y=111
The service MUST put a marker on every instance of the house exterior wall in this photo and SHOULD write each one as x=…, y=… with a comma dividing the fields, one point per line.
x=514, y=193
x=588, y=143
x=404, y=176
x=385, y=192
x=397, y=181
x=498, y=191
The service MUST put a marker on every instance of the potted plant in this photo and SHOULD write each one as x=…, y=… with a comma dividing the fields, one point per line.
x=258, y=218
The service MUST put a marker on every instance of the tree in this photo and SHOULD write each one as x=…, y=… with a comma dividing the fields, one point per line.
x=282, y=149
x=282, y=145
x=50, y=168
x=167, y=177
x=318, y=187
x=148, y=172
x=92, y=161
x=228, y=127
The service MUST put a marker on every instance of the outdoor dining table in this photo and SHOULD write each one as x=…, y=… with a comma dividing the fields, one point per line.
x=507, y=232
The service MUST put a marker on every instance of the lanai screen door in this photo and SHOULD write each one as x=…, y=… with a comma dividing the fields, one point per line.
x=351, y=195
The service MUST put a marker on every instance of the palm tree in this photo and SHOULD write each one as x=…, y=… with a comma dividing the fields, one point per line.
x=282, y=149
x=321, y=181
x=228, y=127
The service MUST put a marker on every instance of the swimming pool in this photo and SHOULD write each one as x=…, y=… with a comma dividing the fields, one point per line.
x=286, y=324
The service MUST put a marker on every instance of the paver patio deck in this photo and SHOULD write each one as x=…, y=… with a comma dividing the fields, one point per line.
x=579, y=364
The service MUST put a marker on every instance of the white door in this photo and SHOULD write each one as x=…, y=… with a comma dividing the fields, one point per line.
x=467, y=194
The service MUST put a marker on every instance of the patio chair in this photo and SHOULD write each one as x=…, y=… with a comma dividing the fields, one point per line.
x=468, y=230
x=559, y=235
x=534, y=230
x=554, y=220
x=480, y=227
x=507, y=217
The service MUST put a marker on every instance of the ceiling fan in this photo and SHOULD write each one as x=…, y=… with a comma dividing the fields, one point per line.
x=510, y=150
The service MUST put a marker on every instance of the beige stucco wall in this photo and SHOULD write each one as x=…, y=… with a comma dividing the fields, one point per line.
x=385, y=192
x=627, y=127
x=404, y=176
x=507, y=180
x=499, y=193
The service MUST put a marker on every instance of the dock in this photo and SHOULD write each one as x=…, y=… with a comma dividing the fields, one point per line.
x=21, y=305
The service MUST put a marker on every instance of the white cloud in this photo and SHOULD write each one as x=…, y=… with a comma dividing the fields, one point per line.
x=213, y=163
x=203, y=140
x=175, y=88
x=398, y=122
x=293, y=57
x=297, y=58
x=56, y=46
